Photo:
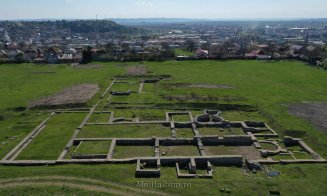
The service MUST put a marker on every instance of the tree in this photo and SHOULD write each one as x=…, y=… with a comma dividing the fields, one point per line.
x=166, y=52
x=205, y=46
x=87, y=55
x=218, y=51
x=109, y=48
x=190, y=45
x=324, y=64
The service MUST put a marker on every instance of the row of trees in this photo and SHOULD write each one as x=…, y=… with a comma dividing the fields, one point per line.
x=125, y=53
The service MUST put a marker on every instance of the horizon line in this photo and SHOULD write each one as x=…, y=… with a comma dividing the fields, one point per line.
x=174, y=18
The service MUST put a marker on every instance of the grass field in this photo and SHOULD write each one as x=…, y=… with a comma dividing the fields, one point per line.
x=53, y=139
x=99, y=147
x=181, y=52
x=124, y=131
x=268, y=87
x=122, y=152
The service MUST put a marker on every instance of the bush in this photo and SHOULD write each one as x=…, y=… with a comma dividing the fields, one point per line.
x=324, y=64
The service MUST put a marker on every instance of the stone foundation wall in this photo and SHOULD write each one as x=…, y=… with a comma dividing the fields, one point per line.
x=177, y=142
x=136, y=142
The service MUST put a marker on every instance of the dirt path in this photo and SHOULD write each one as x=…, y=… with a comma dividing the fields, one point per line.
x=80, y=183
x=64, y=184
x=141, y=87
x=316, y=113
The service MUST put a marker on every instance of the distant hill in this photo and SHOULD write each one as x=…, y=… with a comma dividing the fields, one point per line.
x=89, y=26
x=74, y=26
x=150, y=21
x=138, y=21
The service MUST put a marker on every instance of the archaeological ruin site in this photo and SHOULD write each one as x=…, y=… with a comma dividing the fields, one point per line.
x=190, y=139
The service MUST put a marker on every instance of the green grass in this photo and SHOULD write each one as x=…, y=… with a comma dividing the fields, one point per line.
x=181, y=118
x=136, y=98
x=52, y=140
x=180, y=52
x=20, y=85
x=243, y=116
x=282, y=157
x=143, y=115
x=269, y=87
x=96, y=147
x=268, y=146
x=220, y=131
x=179, y=150
x=149, y=88
x=184, y=133
x=302, y=155
x=16, y=126
x=47, y=190
x=124, y=131
x=124, y=87
x=291, y=178
x=99, y=118
x=122, y=152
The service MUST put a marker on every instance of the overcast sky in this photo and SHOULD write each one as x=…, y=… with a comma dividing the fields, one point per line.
x=203, y=9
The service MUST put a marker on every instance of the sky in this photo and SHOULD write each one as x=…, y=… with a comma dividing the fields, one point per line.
x=196, y=9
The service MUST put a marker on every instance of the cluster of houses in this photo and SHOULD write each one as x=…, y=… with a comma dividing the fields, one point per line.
x=54, y=55
x=51, y=55
x=201, y=41
x=259, y=52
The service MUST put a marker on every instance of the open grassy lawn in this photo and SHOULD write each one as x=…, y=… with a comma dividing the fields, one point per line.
x=243, y=116
x=179, y=150
x=99, y=118
x=48, y=189
x=124, y=131
x=136, y=98
x=184, y=133
x=143, y=115
x=292, y=180
x=26, y=82
x=149, y=88
x=268, y=146
x=122, y=152
x=124, y=87
x=52, y=140
x=181, y=118
x=96, y=147
x=180, y=52
x=260, y=91
x=270, y=86
x=15, y=126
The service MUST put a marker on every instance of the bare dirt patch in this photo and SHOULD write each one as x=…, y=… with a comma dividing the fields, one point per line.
x=316, y=113
x=137, y=70
x=248, y=152
x=76, y=95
